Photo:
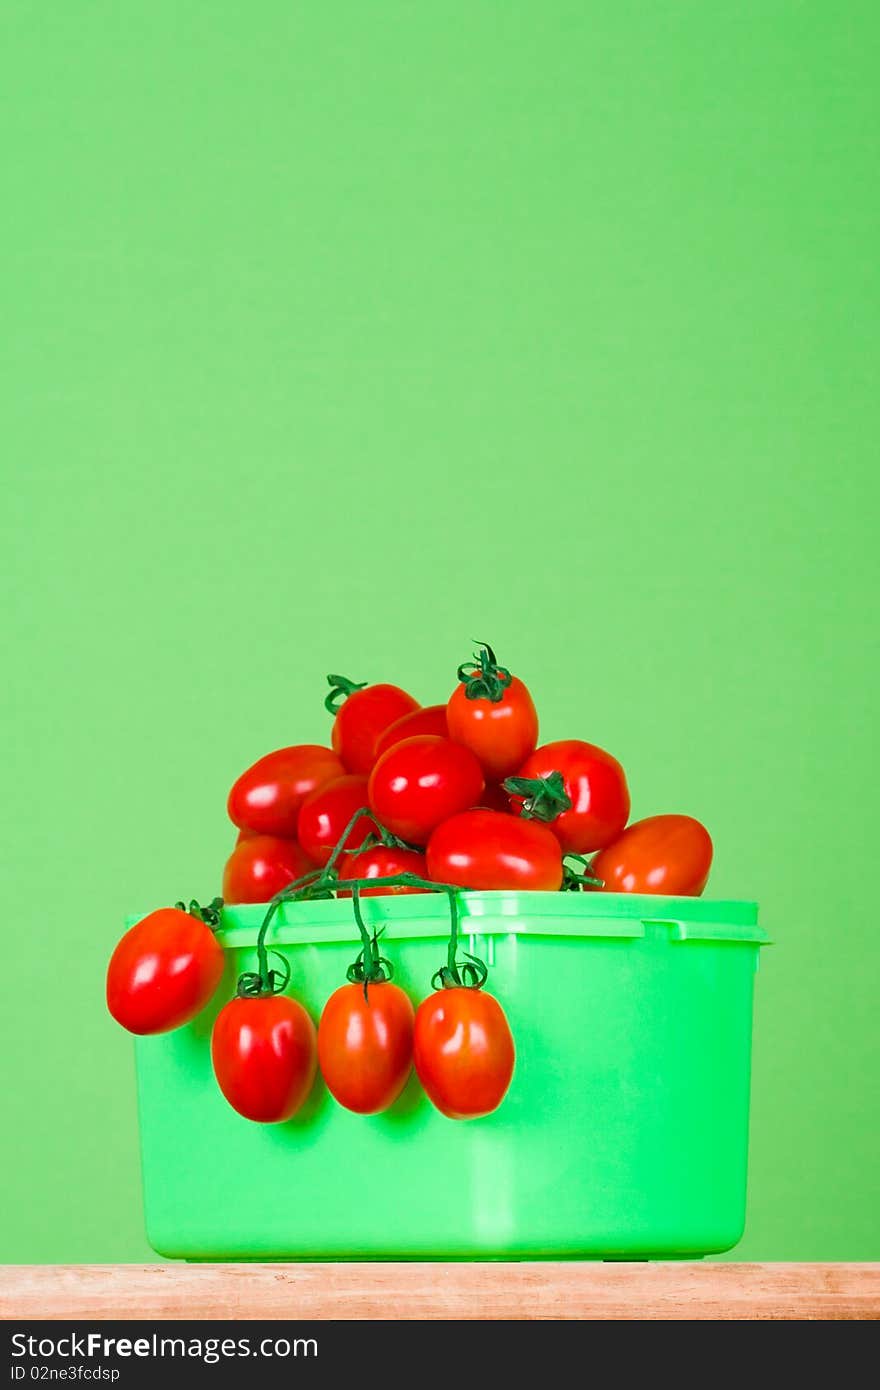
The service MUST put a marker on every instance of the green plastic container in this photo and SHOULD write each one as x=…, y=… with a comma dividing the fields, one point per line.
x=624, y=1133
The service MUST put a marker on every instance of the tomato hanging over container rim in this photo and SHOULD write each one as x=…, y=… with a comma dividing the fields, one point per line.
x=187, y=966
x=233, y=1054
x=463, y=1049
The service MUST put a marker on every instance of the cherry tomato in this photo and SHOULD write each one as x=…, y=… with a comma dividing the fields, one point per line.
x=326, y=813
x=363, y=718
x=463, y=1052
x=245, y=835
x=596, y=785
x=488, y=849
x=662, y=854
x=265, y=1056
x=260, y=867
x=267, y=797
x=430, y=720
x=381, y=862
x=422, y=781
x=501, y=730
x=365, y=1045
x=163, y=972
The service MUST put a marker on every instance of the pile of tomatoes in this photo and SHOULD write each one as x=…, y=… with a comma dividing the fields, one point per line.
x=435, y=778
x=407, y=799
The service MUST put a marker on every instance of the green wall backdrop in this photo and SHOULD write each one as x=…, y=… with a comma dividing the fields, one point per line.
x=337, y=335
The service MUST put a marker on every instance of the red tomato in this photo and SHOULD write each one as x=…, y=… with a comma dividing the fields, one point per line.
x=488, y=849
x=365, y=1045
x=422, y=781
x=430, y=720
x=326, y=813
x=264, y=1052
x=163, y=972
x=259, y=868
x=267, y=797
x=463, y=1052
x=595, y=783
x=363, y=718
x=502, y=733
x=381, y=862
x=662, y=854
x=245, y=835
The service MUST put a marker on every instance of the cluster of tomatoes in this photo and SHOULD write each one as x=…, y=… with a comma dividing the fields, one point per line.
x=265, y=1048
x=466, y=792
x=406, y=800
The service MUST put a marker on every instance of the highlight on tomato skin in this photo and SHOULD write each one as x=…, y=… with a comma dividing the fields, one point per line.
x=163, y=972
x=595, y=783
x=482, y=849
x=266, y=798
x=365, y=1045
x=260, y=866
x=264, y=1052
x=326, y=813
x=422, y=781
x=669, y=854
x=463, y=1052
x=501, y=733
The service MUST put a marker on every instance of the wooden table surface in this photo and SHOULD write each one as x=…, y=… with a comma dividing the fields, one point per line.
x=351, y=1291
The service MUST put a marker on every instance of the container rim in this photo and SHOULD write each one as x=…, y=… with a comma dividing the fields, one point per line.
x=426, y=915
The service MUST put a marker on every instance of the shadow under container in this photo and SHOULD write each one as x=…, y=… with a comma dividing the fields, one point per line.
x=624, y=1134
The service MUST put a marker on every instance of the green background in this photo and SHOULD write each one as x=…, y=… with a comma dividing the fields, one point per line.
x=335, y=336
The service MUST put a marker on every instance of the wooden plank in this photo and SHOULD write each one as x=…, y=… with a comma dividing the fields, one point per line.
x=527, y=1290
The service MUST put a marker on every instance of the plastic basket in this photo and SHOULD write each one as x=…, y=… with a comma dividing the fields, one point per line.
x=624, y=1134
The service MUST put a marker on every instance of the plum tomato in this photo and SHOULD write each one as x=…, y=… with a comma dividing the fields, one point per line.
x=163, y=971
x=492, y=713
x=365, y=1045
x=594, y=783
x=463, y=1052
x=260, y=867
x=422, y=781
x=265, y=1056
x=430, y=720
x=492, y=850
x=360, y=721
x=326, y=813
x=661, y=854
x=382, y=861
x=267, y=797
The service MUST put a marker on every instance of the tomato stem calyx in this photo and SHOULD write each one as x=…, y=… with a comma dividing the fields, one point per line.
x=257, y=984
x=544, y=798
x=369, y=968
x=483, y=678
x=210, y=915
x=340, y=689
x=573, y=880
x=470, y=974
